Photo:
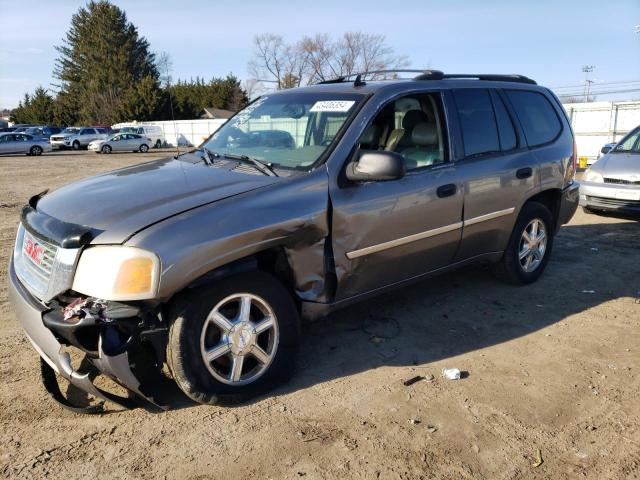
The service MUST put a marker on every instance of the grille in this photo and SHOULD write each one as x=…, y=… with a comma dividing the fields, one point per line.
x=44, y=265
x=244, y=168
x=619, y=181
x=56, y=139
x=614, y=203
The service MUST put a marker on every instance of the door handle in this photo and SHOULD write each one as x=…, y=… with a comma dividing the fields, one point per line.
x=447, y=190
x=524, y=173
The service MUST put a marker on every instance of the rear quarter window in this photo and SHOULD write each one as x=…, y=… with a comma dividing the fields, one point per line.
x=537, y=116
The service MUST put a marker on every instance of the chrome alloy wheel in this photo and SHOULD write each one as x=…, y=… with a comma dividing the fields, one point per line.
x=533, y=245
x=239, y=339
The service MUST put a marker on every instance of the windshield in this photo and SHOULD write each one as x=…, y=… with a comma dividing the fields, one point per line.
x=631, y=144
x=290, y=130
x=34, y=131
x=71, y=130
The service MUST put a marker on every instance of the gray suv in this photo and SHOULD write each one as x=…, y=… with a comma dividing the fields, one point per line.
x=304, y=202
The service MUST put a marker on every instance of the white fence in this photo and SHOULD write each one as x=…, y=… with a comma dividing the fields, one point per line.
x=598, y=123
x=183, y=132
x=594, y=125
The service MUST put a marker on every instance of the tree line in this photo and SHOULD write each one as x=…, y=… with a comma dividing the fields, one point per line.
x=106, y=74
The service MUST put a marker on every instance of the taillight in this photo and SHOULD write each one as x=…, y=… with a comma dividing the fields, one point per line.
x=571, y=169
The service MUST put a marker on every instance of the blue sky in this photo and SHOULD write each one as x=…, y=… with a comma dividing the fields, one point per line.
x=549, y=41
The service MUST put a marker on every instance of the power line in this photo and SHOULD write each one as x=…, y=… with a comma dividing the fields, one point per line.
x=602, y=92
x=597, y=84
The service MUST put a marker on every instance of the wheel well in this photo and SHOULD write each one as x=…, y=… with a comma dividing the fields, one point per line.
x=273, y=261
x=550, y=199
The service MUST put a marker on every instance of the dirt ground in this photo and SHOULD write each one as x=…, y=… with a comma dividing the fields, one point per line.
x=553, y=367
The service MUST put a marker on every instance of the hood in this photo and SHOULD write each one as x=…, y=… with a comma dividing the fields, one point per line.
x=623, y=166
x=125, y=201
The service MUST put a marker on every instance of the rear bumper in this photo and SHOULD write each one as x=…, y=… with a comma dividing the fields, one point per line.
x=568, y=203
x=30, y=315
x=610, y=197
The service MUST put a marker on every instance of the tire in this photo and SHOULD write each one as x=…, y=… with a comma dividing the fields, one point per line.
x=158, y=144
x=105, y=149
x=588, y=211
x=191, y=333
x=518, y=271
x=144, y=148
x=75, y=145
x=35, y=150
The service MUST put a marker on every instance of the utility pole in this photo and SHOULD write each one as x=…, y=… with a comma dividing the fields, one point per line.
x=587, y=69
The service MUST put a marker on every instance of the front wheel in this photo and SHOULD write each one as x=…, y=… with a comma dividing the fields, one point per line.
x=76, y=145
x=529, y=248
x=233, y=340
x=144, y=148
x=105, y=149
x=158, y=144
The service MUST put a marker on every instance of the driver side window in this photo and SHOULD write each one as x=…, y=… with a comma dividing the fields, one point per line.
x=412, y=126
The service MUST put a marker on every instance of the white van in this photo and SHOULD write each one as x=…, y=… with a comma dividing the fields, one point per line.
x=154, y=132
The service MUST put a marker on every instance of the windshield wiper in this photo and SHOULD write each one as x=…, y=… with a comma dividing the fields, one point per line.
x=265, y=168
x=209, y=156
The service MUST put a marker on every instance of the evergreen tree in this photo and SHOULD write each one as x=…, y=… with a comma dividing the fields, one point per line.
x=36, y=109
x=102, y=61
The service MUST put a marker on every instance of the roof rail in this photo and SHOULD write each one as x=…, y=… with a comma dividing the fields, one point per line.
x=478, y=76
x=433, y=75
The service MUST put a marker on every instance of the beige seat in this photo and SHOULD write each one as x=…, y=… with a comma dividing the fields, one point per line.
x=401, y=137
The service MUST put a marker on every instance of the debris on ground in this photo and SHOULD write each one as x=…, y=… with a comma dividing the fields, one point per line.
x=414, y=421
x=432, y=428
x=376, y=340
x=412, y=380
x=539, y=461
x=588, y=291
x=429, y=378
x=451, y=373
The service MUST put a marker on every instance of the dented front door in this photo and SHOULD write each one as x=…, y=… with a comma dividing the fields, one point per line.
x=386, y=232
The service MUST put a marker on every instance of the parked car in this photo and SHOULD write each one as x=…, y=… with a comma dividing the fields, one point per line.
x=78, y=137
x=154, y=132
x=22, y=143
x=43, y=131
x=613, y=182
x=211, y=260
x=121, y=142
x=21, y=127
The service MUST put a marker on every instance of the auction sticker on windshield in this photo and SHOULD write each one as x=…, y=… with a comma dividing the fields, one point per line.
x=332, y=106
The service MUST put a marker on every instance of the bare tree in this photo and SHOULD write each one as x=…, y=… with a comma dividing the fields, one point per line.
x=277, y=62
x=318, y=58
x=164, y=64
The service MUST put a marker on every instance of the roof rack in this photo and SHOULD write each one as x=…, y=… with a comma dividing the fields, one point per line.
x=435, y=75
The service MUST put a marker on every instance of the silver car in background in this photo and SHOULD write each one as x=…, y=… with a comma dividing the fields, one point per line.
x=23, y=143
x=613, y=182
x=122, y=142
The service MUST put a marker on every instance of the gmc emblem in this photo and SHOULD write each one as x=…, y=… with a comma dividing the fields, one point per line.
x=34, y=251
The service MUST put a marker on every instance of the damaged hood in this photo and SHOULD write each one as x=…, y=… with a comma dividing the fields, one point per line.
x=123, y=202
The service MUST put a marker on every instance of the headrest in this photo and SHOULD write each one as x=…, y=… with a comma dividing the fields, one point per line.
x=412, y=118
x=424, y=134
x=370, y=135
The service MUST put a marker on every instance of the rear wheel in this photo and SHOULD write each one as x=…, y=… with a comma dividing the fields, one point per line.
x=35, y=150
x=105, y=149
x=233, y=340
x=144, y=148
x=529, y=247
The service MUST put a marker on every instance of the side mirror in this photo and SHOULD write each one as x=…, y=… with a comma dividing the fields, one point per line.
x=606, y=149
x=376, y=166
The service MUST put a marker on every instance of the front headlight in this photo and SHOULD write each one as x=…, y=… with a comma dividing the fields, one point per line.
x=117, y=273
x=591, y=176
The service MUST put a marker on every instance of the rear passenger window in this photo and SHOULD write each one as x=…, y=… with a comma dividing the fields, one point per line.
x=507, y=133
x=478, y=123
x=537, y=117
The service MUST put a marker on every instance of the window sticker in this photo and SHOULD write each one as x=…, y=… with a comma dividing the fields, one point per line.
x=332, y=106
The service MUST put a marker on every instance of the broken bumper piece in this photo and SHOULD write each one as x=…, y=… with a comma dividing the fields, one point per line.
x=109, y=361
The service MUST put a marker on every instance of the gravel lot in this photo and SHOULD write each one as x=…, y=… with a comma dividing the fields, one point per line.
x=553, y=367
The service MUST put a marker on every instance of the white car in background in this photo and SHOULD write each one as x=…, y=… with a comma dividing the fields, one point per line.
x=154, y=132
x=122, y=142
x=23, y=143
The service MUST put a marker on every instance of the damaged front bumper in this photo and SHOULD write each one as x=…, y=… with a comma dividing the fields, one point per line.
x=111, y=358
